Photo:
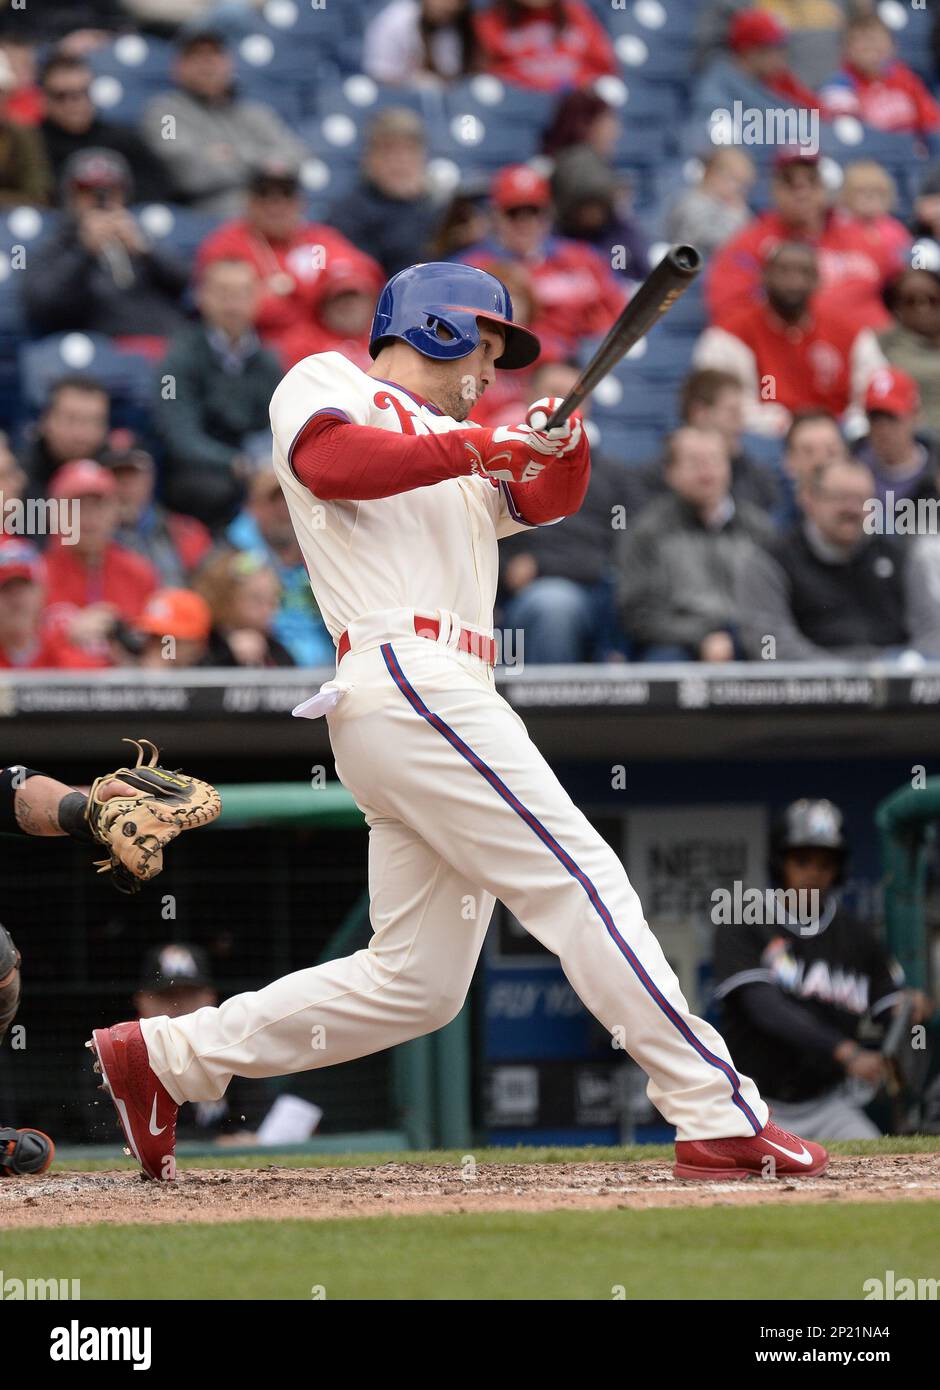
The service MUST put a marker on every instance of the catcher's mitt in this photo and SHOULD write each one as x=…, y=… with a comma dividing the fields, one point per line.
x=136, y=828
x=24, y=1151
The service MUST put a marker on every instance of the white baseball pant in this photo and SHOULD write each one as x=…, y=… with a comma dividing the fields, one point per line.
x=462, y=809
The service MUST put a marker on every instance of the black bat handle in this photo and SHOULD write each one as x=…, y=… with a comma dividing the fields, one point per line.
x=657, y=294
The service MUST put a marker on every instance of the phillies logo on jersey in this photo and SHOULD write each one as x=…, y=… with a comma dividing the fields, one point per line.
x=826, y=363
x=408, y=422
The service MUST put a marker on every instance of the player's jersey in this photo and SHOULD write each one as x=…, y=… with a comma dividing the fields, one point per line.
x=840, y=974
x=428, y=549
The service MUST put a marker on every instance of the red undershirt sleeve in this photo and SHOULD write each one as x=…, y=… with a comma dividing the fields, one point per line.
x=340, y=461
x=558, y=490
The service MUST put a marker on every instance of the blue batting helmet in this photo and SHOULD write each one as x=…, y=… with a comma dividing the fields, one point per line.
x=434, y=308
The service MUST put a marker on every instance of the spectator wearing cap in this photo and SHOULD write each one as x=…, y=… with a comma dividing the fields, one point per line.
x=97, y=272
x=912, y=342
x=829, y=588
x=680, y=556
x=217, y=138
x=243, y=595
x=903, y=462
x=815, y=32
x=342, y=305
x=853, y=266
x=753, y=72
x=548, y=45
x=264, y=527
x=71, y=124
x=25, y=643
x=93, y=583
x=420, y=43
x=173, y=543
x=288, y=252
x=389, y=213
x=172, y=630
x=789, y=354
x=716, y=208
x=73, y=425
x=712, y=400
x=882, y=92
x=24, y=170
x=215, y=388
x=577, y=291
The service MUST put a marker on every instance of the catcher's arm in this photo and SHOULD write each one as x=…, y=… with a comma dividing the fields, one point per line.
x=36, y=804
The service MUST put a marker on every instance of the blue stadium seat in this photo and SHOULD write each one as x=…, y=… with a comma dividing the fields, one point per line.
x=127, y=73
x=177, y=229
x=128, y=377
x=490, y=99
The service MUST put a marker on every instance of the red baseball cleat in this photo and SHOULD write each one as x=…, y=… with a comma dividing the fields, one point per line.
x=774, y=1153
x=144, y=1106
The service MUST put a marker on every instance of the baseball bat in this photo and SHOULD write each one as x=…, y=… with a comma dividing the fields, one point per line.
x=655, y=297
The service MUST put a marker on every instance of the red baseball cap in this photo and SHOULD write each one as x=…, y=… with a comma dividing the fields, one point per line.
x=790, y=155
x=82, y=478
x=518, y=186
x=18, y=560
x=893, y=392
x=179, y=613
x=755, y=29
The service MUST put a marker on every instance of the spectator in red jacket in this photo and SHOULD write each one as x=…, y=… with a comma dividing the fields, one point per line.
x=881, y=91
x=789, y=354
x=341, y=308
x=550, y=45
x=753, y=72
x=578, y=293
x=853, y=266
x=93, y=584
x=25, y=644
x=287, y=251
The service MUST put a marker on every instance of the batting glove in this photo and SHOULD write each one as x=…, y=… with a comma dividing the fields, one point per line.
x=564, y=440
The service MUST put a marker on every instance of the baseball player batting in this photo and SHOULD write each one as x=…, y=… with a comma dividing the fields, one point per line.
x=398, y=504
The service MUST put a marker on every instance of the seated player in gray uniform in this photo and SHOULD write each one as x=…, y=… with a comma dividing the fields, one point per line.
x=795, y=992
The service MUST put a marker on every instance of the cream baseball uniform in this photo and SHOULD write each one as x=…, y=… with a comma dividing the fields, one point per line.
x=461, y=806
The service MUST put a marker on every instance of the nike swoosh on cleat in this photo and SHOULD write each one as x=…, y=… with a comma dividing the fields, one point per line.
x=157, y=1132
x=805, y=1157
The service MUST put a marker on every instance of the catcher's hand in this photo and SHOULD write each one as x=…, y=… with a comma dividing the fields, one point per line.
x=155, y=807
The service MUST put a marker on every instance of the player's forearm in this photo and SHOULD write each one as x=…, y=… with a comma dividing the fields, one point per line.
x=34, y=804
x=339, y=461
x=558, y=490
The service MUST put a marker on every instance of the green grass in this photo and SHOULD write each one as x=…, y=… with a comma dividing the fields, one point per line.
x=625, y=1154
x=819, y=1251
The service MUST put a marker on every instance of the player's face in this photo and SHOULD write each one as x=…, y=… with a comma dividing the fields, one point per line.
x=810, y=868
x=462, y=383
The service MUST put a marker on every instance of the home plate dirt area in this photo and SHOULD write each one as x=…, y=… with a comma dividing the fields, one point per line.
x=275, y=1192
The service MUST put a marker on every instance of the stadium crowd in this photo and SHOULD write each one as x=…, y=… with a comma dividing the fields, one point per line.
x=194, y=196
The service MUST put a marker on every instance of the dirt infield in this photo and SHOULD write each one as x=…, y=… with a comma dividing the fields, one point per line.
x=405, y=1189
